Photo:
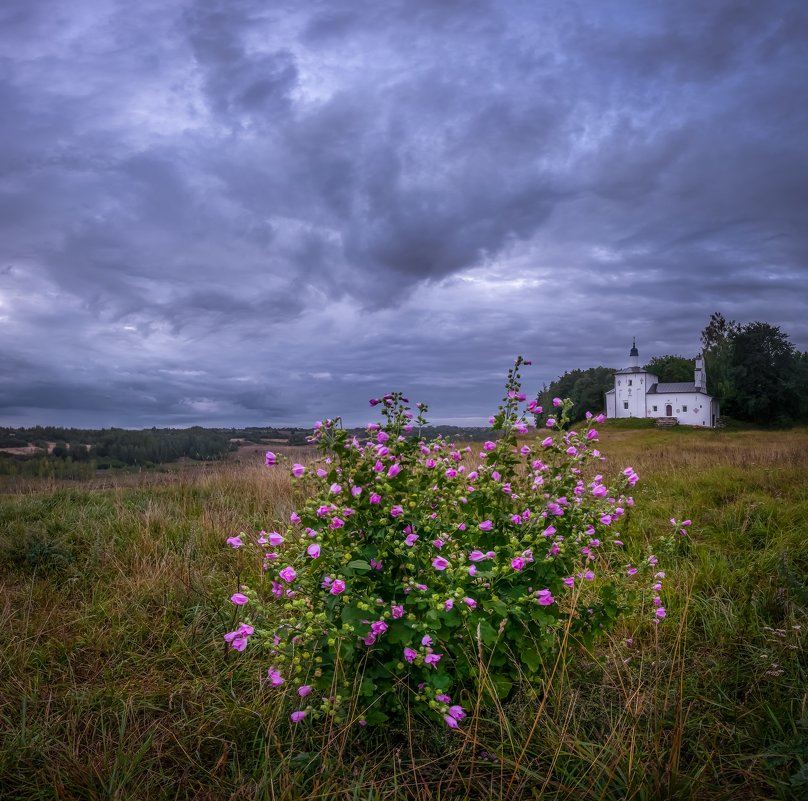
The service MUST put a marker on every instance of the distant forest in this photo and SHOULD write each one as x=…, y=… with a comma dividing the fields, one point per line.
x=58, y=452
x=39, y=450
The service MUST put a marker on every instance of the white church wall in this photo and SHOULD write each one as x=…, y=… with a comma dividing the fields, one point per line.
x=629, y=394
x=689, y=408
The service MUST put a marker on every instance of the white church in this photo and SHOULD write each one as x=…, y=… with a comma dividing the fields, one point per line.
x=638, y=393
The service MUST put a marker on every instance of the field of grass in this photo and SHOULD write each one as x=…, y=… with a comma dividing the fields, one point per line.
x=115, y=683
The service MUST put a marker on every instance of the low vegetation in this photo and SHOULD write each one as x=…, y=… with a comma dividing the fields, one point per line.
x=115, y=681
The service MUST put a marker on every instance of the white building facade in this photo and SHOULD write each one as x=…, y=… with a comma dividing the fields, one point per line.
x=638, y=393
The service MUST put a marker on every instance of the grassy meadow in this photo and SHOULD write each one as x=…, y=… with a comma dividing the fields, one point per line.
x=115, y=682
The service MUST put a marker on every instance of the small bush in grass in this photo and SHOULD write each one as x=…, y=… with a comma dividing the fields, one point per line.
x=415, y=574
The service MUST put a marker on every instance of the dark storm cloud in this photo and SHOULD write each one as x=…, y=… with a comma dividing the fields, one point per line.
x=249, y=212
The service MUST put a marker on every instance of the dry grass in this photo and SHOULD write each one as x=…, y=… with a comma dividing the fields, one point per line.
x=114, y=682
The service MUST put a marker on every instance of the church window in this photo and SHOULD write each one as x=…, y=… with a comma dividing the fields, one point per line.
x=625, y=404
x=684, y=408
x=655, y=408
x=629, y=382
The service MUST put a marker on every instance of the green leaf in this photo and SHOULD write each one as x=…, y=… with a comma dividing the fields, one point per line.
x=399, y=634
x=359, y=564
x=441, y=681
x=488, y=634
x=531, y=658
x=374, y=716
x=502, y=685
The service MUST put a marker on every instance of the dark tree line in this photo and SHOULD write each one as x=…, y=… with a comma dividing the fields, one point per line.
x=755, y=372
x=585, y=388
x=121, y=446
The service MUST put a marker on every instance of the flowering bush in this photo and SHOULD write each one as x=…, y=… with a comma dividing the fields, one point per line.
x=416, y=573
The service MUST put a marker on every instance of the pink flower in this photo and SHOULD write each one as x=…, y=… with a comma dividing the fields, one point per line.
x=234, y=542
x=336, y=488
x=336, y=523
x=410, y=540
x=275, y=539
x=547, y=442
x=591, y=434
x=298, y=470
x=379, y=627
x=298, y=716
x=356, y=491
x=270, y=459
x=432, y=659
x=426, y=640
x=397, y=612
x=549, y=531
x=439, y=563
x=448, y=604
x=660, y=612
x=239, y=598
x=550, y=422
x=486, y=525
x=457, y=712
x=410, y=655
x=545, y=597
x=476, y=556
x=382, y=437
x=313, y=550
x=569, y=581
x=304, y=690
x=375, y=497
x=288, y=574
x=393, y=470
x=275, y=677
x=450, y=721
x=238, y=638
x=490, y=446
x=518, y=563
x=556, y=402
x=631, y=570
x=470, y=602
x=337, y=587
x=396, y=511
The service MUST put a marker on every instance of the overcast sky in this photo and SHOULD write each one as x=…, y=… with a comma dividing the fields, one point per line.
x=251, y=212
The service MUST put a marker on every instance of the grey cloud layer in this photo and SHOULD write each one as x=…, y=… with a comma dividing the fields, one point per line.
x=248, y=212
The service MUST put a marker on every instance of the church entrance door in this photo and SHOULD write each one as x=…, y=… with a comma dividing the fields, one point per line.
x=669, y=411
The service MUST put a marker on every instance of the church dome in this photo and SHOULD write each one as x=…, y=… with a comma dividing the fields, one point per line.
x=634, y=351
